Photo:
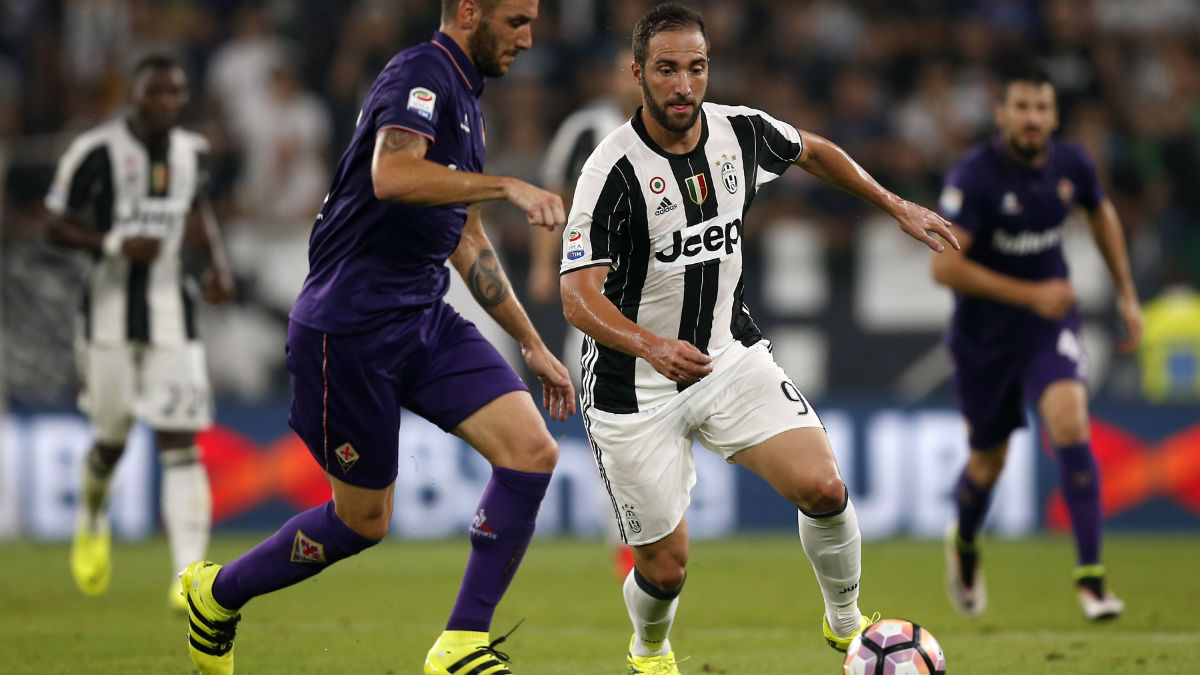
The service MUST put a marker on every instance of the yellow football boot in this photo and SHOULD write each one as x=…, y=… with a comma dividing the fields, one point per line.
x=211, y=627
x=663, y=664
x=91, y=558
x=841, y=643
x=457, y=652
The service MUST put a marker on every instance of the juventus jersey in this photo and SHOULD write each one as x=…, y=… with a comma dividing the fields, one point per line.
x=110, y=180
x=669, y=228
x=574, y=141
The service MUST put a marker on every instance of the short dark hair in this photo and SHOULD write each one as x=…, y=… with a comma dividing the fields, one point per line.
x=1022, y=70
x=664, y=18
x=155, y=61
x=450, y=9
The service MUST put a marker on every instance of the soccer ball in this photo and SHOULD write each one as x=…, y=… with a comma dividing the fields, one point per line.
x=894, y=647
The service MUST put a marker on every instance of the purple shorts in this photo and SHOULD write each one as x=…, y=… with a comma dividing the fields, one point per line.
x=993, y=388
x=347, y=390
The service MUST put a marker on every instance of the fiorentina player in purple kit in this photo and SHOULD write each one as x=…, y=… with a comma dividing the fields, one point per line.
x=1014, y=337
x=370, y=333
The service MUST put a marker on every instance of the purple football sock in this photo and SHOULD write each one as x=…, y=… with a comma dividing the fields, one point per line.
x=1080, y=481
x=305, y=545
x=972, y=501
x=500, y=534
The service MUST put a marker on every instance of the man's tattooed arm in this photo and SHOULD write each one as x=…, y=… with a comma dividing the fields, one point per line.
x=486, y=280
x=395, y=140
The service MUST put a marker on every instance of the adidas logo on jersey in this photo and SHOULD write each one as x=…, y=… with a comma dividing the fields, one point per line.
x=665, y=206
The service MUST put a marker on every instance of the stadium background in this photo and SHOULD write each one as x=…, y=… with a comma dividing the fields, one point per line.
x=904, y=86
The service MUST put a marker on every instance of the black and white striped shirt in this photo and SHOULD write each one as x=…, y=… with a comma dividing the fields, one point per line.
x=109, y=179
x=669, y=228
x=576, y=138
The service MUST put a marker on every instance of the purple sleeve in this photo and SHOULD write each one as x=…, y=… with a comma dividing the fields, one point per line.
x=960, y=199
x=411, y=98
x=1089, y=192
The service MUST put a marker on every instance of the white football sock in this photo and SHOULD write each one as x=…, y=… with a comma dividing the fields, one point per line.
x=834, y=546
x=652, y=618
x=186, y=505
x=93, y=492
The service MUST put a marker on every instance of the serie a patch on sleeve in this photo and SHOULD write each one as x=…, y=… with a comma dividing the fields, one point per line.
x=421, y=101
x=951, y=201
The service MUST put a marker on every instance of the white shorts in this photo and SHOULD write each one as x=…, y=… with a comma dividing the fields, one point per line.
x=645, y=458
x=165, y=387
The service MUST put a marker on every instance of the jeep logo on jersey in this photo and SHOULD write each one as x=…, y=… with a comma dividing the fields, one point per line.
x=697, y=188
x=710, y=240
x=151, y=217
x=729, y=177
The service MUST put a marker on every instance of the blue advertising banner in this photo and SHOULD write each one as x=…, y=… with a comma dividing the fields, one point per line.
x=899, y=463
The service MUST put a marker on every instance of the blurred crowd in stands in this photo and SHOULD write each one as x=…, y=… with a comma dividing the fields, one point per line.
x=904, y=85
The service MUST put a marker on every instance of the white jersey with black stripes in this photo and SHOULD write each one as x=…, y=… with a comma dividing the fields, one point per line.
x=670, y=227
x=110, y=180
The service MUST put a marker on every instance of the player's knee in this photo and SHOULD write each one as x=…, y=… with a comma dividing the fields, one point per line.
x=109, y=453
x=828, y=496
x=984, y=468
x=539, y=454
x=667, y=576
x=371, y=522
x=1068, y=430
x=113, y=434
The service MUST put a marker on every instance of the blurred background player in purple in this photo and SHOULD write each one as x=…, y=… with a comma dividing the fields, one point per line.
x=1015, y=334
x=371, y=333
x=132, y=192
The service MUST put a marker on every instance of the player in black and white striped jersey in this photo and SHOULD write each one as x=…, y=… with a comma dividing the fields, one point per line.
x=131, y=192
x=572, y=144
x=652, y=273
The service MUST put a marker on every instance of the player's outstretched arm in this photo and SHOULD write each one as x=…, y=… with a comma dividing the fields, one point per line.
x=1110, y=239
x=830, y=163
x=586, y=308
x=478, y=265
x=1050, y=299
x=204, y=236
x=400, y=173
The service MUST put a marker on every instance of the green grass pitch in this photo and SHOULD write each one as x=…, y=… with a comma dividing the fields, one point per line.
x=750, y=607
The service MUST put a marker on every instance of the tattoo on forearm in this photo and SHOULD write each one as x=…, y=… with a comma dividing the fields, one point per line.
x=486, y=279
x=395, y=140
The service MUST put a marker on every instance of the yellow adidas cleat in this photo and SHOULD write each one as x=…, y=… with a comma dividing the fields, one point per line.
x=663, y=664
x=211, y=627
x=91, y=558
x=843, y=643
x=458, y=652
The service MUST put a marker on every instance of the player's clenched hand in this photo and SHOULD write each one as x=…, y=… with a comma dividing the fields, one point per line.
x=679, y=360
x=921, y=224
x=141, y=249
x=558, y=395
x=543, y=208
x=1052, y=299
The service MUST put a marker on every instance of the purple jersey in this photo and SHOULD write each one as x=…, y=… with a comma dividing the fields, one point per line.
x=1015, y=215
x=370, y=259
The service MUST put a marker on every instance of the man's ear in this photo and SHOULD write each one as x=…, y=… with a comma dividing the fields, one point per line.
x=469, y=13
